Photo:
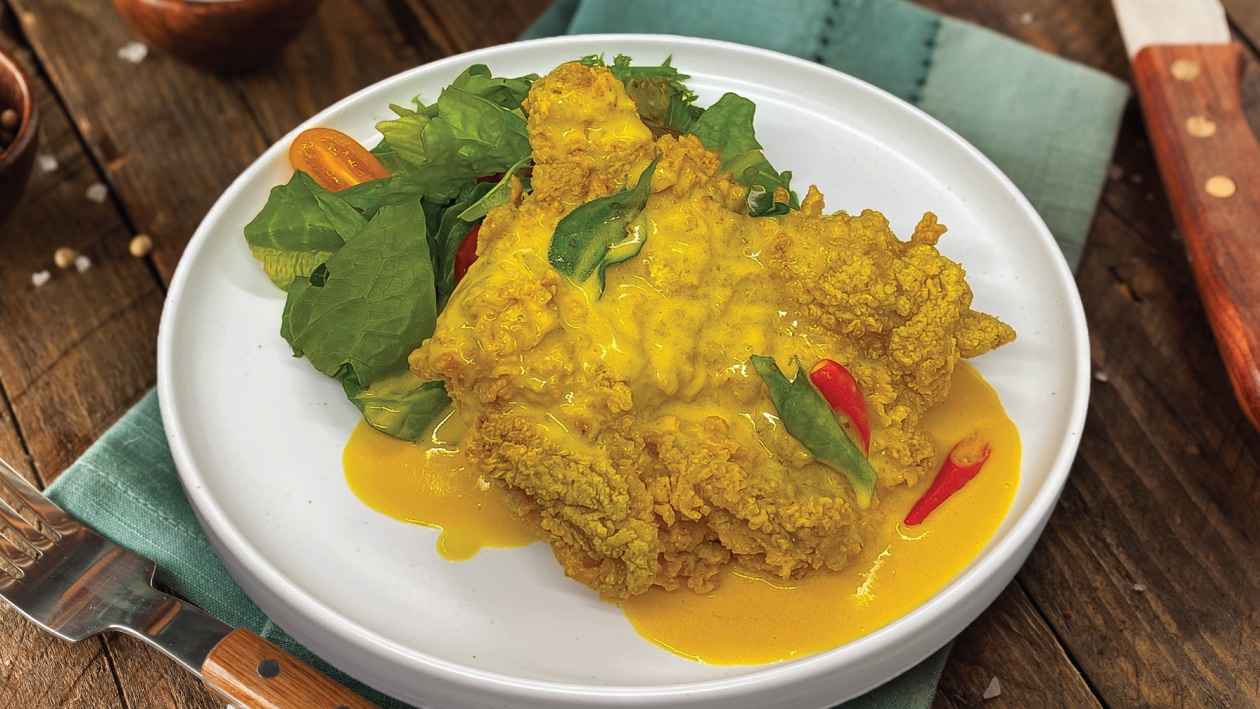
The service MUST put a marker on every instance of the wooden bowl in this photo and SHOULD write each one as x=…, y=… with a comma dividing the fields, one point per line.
x=220, y=36
x=16, y=158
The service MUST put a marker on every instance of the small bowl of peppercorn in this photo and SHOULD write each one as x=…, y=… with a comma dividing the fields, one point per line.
x=220, y=36
x=19, y=133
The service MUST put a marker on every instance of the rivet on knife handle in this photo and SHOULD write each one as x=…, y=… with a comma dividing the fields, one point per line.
x=258, y=675
x=1212, y=175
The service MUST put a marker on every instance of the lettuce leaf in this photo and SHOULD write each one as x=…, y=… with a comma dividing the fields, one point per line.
x=726, y=127
x=301, y=225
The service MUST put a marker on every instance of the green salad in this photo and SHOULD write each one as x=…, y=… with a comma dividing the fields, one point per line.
x=367, y=267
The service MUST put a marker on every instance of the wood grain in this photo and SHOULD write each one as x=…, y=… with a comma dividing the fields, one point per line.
x=218, y=37
x=1147, y=570
x=1011, y=643
x=74, y=379
x=1163, y=494
x=262, y=676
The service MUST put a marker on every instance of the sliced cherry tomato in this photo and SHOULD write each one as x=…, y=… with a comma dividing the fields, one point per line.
x=334, y=160
x=467, y=252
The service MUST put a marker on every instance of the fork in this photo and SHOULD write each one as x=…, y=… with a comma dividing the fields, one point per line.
x=74, y=583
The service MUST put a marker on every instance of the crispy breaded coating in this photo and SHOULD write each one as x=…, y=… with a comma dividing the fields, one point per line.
x=629, y=428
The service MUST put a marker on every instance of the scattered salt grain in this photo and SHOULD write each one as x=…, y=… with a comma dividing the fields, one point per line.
x=994, y=689
x=1100, y=376
x=39, y=279
x=133, y=52
x=47, y=163
x=97, y=192
x=1115, y=171
x=1026, y=18
x=82, y=263
x=1139, y=587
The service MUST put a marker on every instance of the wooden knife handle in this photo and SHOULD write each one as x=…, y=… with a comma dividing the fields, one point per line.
x=1210, y=163
x=258, y=675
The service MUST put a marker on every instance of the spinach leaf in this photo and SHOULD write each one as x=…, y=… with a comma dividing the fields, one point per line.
x=301, y=225
x=452, y=227
x=401, y=404
x=602, y=232
x=475, y=128
x=361, y=312
x=726, y=127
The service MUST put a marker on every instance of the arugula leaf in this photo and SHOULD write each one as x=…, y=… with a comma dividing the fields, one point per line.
x=497, y=196
x=402, y=404
x=361, y=312
x=301, y=225
x=726, y=127
x=602, y=232
x=662, y=99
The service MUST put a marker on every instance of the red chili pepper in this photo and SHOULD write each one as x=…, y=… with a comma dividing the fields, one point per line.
x=841, y=390
x=467, y=252
x=965, y=459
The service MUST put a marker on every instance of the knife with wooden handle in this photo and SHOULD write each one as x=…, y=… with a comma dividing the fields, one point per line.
x=1188, y=75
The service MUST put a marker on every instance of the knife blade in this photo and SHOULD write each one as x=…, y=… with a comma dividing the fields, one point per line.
x=1188, y=77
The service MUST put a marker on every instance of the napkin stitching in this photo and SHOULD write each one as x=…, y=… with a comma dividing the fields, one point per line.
x=195, y=536
x=829, y=26
x=916, y=94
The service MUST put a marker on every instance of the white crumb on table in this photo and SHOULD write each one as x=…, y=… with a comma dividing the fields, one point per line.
x=994, y=689
x=97, y=192
x=133, y=52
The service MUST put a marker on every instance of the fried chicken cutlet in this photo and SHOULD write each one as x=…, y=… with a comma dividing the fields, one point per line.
x=629, y=427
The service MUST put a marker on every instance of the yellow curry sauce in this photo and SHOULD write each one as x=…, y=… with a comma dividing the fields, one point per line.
x=629, y=421
x=747, y=619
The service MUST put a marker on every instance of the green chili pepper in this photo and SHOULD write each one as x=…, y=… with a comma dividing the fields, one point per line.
x=601, y=232
x=808, y=417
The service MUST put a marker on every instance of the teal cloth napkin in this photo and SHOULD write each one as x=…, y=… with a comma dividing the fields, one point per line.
x=1050, y=125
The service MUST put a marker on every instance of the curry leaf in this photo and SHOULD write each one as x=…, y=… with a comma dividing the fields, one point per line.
x=809, y=419
x=601, y=232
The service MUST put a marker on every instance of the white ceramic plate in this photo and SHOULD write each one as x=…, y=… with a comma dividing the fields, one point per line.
x=257, y=435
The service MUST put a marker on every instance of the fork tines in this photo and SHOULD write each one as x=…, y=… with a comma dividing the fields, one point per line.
x=29, y=522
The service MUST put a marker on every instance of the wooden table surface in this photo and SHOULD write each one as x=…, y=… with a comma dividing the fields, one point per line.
x=1143, y=591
